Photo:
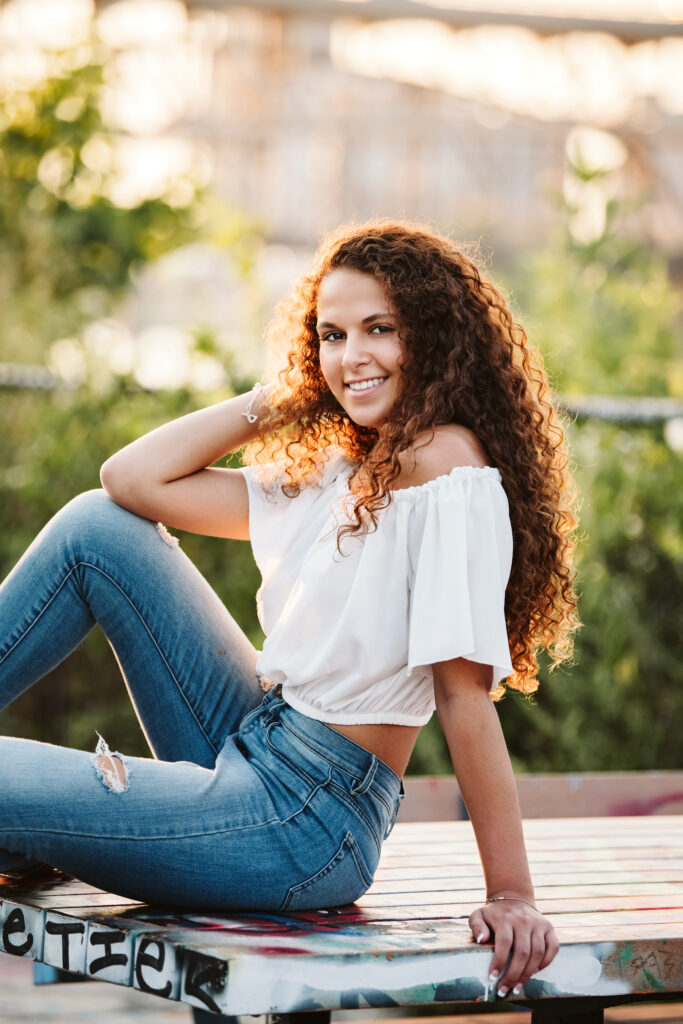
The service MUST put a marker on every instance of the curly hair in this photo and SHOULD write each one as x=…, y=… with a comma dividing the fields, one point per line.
x=465, y=361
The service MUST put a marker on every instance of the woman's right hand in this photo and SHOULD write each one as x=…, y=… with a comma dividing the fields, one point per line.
x=520, y=934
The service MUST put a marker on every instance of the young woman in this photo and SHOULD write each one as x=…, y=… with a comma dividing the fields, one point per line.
x=407, y=503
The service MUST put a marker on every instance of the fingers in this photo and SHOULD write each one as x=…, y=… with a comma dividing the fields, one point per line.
x=512, y=950
x=528, y=953
x=552, y=948
x=503, y=937
x=524, y=943
x=480, y=929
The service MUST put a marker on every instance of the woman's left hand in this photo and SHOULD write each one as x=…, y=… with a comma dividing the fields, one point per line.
x=520, y=933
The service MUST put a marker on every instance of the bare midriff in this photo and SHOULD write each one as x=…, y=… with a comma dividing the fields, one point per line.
x=392, y=744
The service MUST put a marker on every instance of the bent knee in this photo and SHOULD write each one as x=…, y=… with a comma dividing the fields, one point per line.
x=89, y=504
x=93, y=522
x=96, y=508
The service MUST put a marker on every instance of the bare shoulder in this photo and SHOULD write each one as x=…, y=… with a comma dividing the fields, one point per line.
x=437, y=452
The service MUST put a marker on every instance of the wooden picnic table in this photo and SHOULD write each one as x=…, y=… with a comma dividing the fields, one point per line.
x=613, y=888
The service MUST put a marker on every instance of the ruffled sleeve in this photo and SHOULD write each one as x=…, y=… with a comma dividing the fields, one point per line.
x=460, y=557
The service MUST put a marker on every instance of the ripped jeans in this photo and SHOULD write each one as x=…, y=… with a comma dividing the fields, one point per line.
x=247, y=804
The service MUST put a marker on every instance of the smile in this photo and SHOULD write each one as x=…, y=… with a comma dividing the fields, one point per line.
x=366, y=385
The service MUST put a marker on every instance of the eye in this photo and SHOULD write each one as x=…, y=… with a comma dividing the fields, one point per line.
x=382, y=328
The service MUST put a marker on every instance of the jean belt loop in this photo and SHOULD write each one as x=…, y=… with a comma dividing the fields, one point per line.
x=394, y=813
x=363, y=786
x=271, y=706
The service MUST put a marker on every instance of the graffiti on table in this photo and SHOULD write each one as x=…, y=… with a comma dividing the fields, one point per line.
x=302, y=963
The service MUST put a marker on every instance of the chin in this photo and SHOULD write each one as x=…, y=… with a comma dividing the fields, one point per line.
x=370, y=422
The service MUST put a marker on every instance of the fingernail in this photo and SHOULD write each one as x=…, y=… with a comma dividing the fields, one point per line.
x=493, y=975
x=481, y=936
x=502, y=991
x=516, y=990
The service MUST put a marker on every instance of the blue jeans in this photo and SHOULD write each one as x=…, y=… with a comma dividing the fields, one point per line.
x=247, y=803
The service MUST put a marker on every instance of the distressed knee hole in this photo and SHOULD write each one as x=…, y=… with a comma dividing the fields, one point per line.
x=111, y=768
x=172, y=541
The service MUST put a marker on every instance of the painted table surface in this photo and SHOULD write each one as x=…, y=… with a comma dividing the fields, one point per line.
x=613, y=888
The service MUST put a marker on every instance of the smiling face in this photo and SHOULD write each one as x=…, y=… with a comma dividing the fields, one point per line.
x=360, y=350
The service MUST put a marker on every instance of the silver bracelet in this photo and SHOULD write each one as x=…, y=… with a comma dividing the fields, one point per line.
x=517, y=899
x=257, y=389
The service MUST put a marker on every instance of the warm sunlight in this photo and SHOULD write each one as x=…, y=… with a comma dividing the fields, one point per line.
x=575, y=76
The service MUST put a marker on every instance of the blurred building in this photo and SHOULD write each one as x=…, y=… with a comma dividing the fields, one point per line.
x=307, y=114
x=313, y=119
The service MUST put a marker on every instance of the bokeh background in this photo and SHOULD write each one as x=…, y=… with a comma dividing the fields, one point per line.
x=166, y=171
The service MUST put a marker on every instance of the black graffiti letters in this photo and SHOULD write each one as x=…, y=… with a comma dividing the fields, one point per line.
x=109, y=959
x=65, y=929
x=203, y=971
x=145, y=959
x=14, y=925
x=155, y=966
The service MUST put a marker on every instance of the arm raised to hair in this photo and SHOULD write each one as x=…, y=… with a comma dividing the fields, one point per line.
x=484, y=773
x=167, y=474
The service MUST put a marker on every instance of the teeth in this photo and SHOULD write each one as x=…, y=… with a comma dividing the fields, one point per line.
x=365, y=384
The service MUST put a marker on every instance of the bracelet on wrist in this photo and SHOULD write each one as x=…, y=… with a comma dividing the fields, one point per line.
x=516, y=899
x=258, y=389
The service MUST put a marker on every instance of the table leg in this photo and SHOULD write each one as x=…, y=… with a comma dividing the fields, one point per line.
x=589, y=1013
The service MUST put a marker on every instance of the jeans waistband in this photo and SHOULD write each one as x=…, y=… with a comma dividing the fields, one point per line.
x=364, y=766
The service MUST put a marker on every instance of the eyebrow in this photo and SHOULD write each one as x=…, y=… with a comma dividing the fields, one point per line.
x=367, y=320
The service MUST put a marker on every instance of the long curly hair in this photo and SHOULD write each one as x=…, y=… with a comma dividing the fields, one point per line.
x=464, y=361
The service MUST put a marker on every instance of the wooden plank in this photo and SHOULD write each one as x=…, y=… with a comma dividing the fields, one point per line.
x=632, y=858
x=596, y=890
x=567, y=903
x=661, y=825
x=445, y=844
x=460, y=877
x=586, y=877
x=454, y=876
x=550, y=845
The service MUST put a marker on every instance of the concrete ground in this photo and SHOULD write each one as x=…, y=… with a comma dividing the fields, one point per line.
x=90, y=1002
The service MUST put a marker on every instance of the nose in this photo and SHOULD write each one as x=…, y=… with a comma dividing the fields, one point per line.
x=355, y=350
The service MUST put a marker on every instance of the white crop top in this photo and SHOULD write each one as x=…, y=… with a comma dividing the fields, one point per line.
x=352, y=639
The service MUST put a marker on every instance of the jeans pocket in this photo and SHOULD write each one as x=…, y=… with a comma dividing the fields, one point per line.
x=342, y=880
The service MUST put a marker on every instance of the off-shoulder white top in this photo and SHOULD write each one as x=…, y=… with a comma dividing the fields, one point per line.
x=352, y=638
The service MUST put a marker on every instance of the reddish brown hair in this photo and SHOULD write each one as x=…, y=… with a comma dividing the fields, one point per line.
x=465, y=361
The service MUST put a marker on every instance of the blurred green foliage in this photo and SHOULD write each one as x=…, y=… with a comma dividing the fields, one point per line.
x=607, y=318
x=66, y=249
x=604, y=313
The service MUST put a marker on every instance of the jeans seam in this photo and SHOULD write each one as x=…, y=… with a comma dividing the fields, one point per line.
x=106, y=575
x=38, y=616
x=362, y=867
x=145, y=838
